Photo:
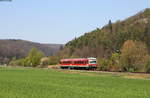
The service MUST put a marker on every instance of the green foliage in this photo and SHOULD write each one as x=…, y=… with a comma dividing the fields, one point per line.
x=110, y=26
x=147, y=69
x=13, y=62
x=34, y=57
x=32, y=60
x=114, y=62
x=103, y=64
x=54, y=60
x=147, y=13
x=111, y=64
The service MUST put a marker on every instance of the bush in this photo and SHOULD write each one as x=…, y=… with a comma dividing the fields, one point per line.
x=111, y=64
x=103, y=64
x=32, y=60
x=34, y=57
x=54, y=60
x=114, y=62
x=44, y=62
x=13, y=63
x=147, y=67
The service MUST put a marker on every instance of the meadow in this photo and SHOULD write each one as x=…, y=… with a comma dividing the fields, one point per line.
x=51, y=83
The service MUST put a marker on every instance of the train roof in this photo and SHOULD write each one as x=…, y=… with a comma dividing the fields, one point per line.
x=76, y=59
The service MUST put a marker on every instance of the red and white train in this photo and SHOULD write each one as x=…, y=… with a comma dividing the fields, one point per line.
x=84, y=63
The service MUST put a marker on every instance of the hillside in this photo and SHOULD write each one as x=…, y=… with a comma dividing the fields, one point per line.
x=102, y=42
x=20, y=48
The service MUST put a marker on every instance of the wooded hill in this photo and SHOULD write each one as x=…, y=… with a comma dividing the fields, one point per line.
x=20, y=48
x=109, y=39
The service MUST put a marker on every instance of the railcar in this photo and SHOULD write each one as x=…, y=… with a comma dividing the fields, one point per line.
x=79, y=63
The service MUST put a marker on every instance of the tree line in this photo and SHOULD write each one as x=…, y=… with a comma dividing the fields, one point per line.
x=134, y=57
x=35, y=58
x=16, y=48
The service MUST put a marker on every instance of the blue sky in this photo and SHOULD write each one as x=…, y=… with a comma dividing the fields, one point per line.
x=59, y=21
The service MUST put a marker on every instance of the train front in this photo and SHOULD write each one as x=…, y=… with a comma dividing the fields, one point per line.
x=92, y=62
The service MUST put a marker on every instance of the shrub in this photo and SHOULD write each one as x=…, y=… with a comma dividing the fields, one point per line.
x=147, y=67
x=32, y=60
x=54, y=60
x=103, y=64
x=113, y=62
x=13, y=63
x=44, y=62
x=34, y=57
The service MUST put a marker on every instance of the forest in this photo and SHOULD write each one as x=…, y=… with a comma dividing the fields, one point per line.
x=120, y=46
x=16, y=48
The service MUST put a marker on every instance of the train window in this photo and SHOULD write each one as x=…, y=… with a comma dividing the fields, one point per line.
x=80, y=62
x=69, y=62
x=75, y=62
x=92, y=62
x=85, y=62
x=66, y=62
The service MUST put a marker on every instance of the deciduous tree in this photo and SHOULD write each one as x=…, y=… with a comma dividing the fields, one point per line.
x=133, y=56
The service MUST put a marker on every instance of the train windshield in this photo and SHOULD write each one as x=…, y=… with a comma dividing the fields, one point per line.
x=93, y=62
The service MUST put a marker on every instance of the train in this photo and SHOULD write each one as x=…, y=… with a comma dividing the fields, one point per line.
x=79, y=63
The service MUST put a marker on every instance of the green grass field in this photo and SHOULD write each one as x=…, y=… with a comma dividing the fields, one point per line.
x=50, y=83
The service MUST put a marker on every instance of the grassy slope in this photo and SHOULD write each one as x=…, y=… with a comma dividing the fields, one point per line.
x=39, y=83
